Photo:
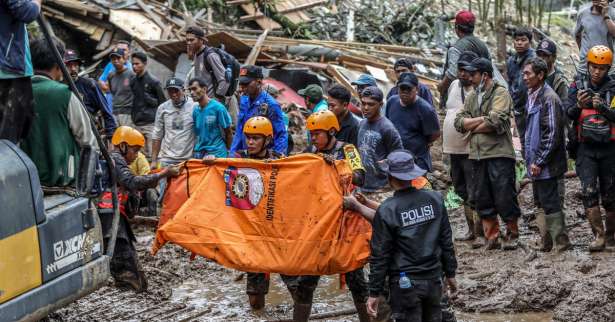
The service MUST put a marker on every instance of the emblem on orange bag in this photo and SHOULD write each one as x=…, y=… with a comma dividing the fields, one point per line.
x=244, y=187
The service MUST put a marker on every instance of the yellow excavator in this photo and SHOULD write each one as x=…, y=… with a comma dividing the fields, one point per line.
x=51, y=247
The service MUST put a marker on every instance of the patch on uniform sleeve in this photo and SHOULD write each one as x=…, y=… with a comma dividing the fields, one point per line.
x=353, y=157
x=613, y=103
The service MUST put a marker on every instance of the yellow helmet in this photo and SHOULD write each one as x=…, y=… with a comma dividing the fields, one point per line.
x=323, y=120
x=600, y=55
x=128, y=135
x=258, y=125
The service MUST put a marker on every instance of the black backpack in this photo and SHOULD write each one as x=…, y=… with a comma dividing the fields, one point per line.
x=231, y=66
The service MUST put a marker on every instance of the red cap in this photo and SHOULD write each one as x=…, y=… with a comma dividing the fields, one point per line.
x=464, y=18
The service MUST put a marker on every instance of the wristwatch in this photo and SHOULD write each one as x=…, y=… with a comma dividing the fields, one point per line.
x=607, y=17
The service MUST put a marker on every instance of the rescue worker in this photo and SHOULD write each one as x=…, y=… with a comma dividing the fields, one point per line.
x=92, y=97
x=259, y=137
x=125, y=267
x=464, y=28
x=314, y=98
x=457, y=146
x=591, y=105
x=255, y=101
x=413, y=221
x=547, y=50
x=488, y=122
x=545, y=154
x=323, y=127
x=61, y=129
x=516, y=87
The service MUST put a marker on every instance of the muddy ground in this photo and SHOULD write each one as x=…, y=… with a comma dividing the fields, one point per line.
x=518, y=285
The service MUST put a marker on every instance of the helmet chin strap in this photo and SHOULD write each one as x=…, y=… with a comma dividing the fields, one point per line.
x=123, y=148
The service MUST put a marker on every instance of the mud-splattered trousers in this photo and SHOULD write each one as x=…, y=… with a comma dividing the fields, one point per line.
x=595, y=166
x=300, y=287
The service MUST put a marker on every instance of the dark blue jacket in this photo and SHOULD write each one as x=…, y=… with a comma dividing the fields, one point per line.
x=516, y=86
x=94, y=101
x=545, y=145
x=263, y=105
x=15, y=52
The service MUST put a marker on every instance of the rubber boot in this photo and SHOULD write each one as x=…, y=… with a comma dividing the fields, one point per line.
x=301, y=312
x=609, y=238
x=546, y=242
x=257, y=301
x=491, y=228
x=362, y=311
x=595, y=220
x=469, y=214
x=557, y=228
x=479, y=241
x=511, y=241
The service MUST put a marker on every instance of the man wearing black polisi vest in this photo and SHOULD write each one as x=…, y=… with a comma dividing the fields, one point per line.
x=411, y=244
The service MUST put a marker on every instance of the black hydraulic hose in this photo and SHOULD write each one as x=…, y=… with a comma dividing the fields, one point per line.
x=43, y=24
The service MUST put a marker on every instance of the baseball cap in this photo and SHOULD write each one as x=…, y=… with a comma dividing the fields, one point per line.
x=117, y=52
x=174, y=83
x=465, y=61
x=465, y=18
x=400, y=165
x=71, y=55
x=195, y=30
x=365, y=79
x=373, y=92
x=312, y=91
x=408, y=79
x=482, y=65
x=547, y=46
x=249, y=73
x=404, y=62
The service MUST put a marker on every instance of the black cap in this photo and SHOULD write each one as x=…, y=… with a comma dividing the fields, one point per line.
x=408, y=79
x=174, y=83
x=465, y=60
x=404, y=62
x=195, y=30
x=117, y=52
x=249, y=73
x=71, y=55
x=547, y=46
x=482, y=65
x=400, y=165
x=373, y=92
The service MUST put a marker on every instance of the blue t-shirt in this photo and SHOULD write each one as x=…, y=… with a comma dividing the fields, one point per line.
x=415, y=124
x=209, y=125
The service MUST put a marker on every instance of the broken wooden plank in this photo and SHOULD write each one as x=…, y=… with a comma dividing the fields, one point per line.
x=312, y=65
x=135, y=23
x=105, y=40
x=235, y=2
x=284, y=11
x=256, y=49
x=333, y=72
x=151, y=14
x=98, y=33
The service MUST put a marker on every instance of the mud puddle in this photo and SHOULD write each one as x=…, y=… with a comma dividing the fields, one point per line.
x=495, y=286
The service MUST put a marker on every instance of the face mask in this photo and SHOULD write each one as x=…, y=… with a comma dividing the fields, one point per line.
x=180, y=103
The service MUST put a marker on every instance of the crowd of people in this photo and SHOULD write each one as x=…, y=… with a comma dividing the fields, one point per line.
x=386, y=139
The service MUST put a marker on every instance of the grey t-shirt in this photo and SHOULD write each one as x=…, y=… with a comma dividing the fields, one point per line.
x=593, y=31
x=375, y=141
x=175, y=128
x=119, y=85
